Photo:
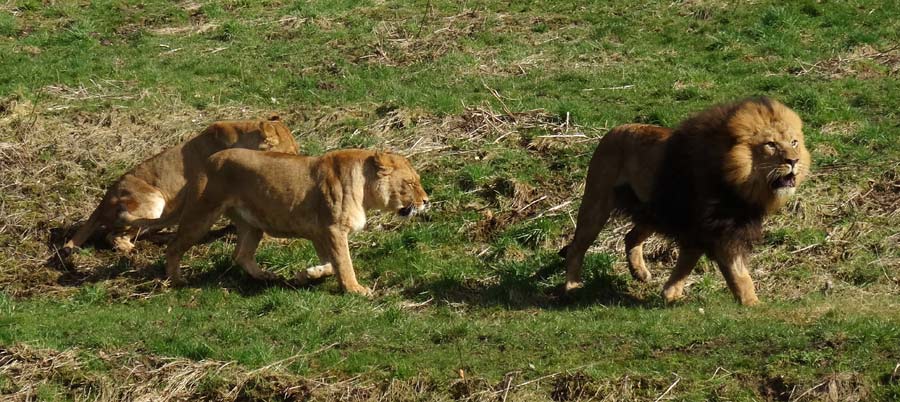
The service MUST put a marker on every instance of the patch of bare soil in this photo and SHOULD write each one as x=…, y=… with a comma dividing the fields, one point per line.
x=833, y=388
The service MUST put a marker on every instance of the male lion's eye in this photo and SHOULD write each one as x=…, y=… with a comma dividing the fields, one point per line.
x=770, y=145
x=794, y=143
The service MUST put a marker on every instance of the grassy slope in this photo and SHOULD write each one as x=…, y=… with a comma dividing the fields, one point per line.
x=392, y=74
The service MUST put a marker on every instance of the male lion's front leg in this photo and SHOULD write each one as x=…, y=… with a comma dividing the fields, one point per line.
x=674, y=287
x=634, y=242
x=732, y=264
x=338, y=251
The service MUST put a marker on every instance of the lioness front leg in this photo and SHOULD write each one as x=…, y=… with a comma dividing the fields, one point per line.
x=674, y=287
x=732, y=264
x=339, y=254
x=245, y=251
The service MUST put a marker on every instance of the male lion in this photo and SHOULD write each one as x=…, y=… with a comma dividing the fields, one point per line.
x=153, y=188
x=708, y=185
x=322, y=199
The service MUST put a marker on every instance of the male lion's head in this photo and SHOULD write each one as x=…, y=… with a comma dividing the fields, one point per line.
x=768, y=158
x=397, y=187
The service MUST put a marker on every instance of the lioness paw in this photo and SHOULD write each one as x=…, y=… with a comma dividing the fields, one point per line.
x=359, y=290
x=573, y=286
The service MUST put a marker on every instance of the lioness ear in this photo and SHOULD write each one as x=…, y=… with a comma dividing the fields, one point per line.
x=382, y=163
x=269, y=135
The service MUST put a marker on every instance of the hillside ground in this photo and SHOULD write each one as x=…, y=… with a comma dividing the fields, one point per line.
x=499, y=106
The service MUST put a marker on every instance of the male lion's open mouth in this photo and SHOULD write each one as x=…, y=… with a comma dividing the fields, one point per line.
x=407, y=211
x=787, y=181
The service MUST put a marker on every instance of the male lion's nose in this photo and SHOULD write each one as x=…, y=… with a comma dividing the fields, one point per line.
x=792, y=162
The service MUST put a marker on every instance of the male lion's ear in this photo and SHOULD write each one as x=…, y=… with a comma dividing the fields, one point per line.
x=383, y=164
x=274, y=117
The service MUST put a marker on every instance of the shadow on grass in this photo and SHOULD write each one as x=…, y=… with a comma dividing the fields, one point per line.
x=138, y=267
x=515, y=289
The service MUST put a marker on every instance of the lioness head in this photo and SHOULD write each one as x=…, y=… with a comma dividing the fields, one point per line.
x=769, y=158
x=397, y=187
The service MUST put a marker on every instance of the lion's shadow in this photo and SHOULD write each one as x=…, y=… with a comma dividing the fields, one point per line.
x=514, y=290
x=139, y=267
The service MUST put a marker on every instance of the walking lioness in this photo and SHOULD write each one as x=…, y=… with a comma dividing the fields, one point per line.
x=322, y=199
x=153, y=189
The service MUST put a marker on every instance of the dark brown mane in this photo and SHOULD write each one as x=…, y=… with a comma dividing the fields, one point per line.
x=691, y=203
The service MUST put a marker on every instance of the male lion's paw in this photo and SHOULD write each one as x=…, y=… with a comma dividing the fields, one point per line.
x=359, y=290
x=177, y=281
x=673, y=293
x=751, y=301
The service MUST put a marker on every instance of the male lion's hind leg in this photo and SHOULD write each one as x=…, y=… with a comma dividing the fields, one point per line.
x=248, y=239
x=634, y=241
x=733, y=267
x=674, y=287
x=591, y=218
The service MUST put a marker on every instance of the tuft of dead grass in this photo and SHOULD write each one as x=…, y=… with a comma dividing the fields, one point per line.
x=399, y=44
x=864, y=62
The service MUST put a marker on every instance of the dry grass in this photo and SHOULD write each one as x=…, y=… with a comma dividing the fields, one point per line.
x=863, y=62
x=28, y=372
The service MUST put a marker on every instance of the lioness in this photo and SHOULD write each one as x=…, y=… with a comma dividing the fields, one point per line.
x=322, y=199
x=708, y=185
x=153, y=188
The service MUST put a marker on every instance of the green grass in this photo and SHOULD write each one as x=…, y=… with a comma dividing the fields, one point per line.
x=103, y=85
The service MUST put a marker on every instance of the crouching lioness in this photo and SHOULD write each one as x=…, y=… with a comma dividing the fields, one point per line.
x=153, y=189
x=322, y=199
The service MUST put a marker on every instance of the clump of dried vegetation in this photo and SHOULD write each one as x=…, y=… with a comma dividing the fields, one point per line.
x=26, y=371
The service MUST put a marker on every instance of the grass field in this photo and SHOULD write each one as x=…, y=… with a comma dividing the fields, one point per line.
x=499, y=106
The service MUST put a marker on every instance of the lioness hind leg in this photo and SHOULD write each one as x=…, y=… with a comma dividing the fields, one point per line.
x=244, y=253
x=319, y=271
x=121, y=241
x=674, y=287
x=195, y=223
x=634, y=241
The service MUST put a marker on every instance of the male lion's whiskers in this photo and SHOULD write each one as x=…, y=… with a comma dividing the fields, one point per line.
x=770, y=177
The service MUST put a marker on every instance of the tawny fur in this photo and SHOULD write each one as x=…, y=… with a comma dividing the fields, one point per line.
x=708, y=185
x=322, y=199
x=153, y=188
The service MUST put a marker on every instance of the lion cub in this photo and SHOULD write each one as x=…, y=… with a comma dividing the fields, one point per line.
x=153, y=188
x=322, y=199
